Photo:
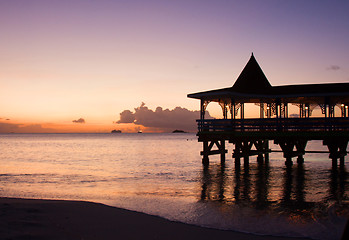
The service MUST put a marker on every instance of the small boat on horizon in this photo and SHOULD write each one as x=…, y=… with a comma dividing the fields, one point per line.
x=139, y=131
x=178, y=131
x=116, y=131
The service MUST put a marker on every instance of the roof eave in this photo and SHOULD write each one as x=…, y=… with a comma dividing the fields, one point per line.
x=227, y=93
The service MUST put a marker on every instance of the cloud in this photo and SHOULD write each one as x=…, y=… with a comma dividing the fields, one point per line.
x=334, y=67
x=126, y=117
x=21, y=128
x=166, y=120
x=80, y=120
x=8, y=127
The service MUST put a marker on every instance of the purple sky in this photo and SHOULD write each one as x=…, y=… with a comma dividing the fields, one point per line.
x=62, y=60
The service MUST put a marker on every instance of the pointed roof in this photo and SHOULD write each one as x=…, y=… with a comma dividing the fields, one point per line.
x=252, y=79
x=252, y=86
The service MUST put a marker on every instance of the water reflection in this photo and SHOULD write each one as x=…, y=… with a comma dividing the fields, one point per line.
x=206, y=182
x=253, y=184
x=246, y=186
x=214, y=183
x=284, y=188
x=262, y=185
x=338, y=179
x=294, y=194
x=237, y=187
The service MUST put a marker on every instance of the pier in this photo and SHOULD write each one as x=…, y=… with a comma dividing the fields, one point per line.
x=291, y=132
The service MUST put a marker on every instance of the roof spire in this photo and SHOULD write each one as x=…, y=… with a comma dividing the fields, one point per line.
x=251, y=79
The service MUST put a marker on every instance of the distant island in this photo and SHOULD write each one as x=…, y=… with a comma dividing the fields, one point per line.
x=116, y=131
x=178, y=131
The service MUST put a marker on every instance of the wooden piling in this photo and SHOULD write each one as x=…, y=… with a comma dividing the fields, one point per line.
x=208, y=144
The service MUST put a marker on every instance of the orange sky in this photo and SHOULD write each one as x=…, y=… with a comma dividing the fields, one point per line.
x=65, y=60
x=18, y=127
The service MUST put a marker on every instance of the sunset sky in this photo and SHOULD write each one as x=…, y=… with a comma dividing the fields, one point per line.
x=69, y=59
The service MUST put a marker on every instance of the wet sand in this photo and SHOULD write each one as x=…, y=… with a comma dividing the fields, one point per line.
x=58, y=219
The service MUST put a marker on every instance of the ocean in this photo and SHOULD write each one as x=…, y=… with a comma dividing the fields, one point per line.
x=162, y=174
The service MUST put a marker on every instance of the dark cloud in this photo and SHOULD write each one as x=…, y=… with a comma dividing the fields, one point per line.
x=167, y=120
x=20, y=128
x=8, y=127
x=334, y=67
x=126, y=117
x=80, y=120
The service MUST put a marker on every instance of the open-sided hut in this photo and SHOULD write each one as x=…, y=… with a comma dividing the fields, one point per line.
x=251, y=135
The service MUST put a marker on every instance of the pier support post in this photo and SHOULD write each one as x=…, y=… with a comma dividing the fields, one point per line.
x=300, y=146
x=338, y=149
x=243, y=148
x=246, y=160
x=260, y=158
x=300, y=159
x=223, y=151
x=341, y=161
x=287, y=149
x=262, y=148
x=288, y=161
x=207, y=150
x=288, y=146
x=204, y=153
x=237, y=162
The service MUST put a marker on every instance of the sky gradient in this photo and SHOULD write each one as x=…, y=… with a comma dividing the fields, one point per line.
x=65, y=60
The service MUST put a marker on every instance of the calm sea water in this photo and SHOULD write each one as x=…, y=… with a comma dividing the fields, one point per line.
x=161, y=174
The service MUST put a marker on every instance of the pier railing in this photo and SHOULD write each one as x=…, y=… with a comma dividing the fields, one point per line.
x=274, y=124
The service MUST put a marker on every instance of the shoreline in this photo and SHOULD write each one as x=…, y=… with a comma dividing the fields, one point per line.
x=65, y=219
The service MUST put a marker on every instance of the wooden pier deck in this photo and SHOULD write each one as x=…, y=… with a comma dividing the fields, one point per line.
x=252, y=136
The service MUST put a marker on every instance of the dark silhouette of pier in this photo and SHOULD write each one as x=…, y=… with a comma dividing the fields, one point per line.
x=251, y=136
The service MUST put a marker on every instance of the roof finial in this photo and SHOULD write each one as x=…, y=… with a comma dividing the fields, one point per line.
x=252, y=54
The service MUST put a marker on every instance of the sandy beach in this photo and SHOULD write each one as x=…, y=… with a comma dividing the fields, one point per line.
x=58, y=219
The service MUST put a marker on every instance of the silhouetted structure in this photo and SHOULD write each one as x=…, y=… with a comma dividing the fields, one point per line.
x=116, y=131
x=251, y=136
